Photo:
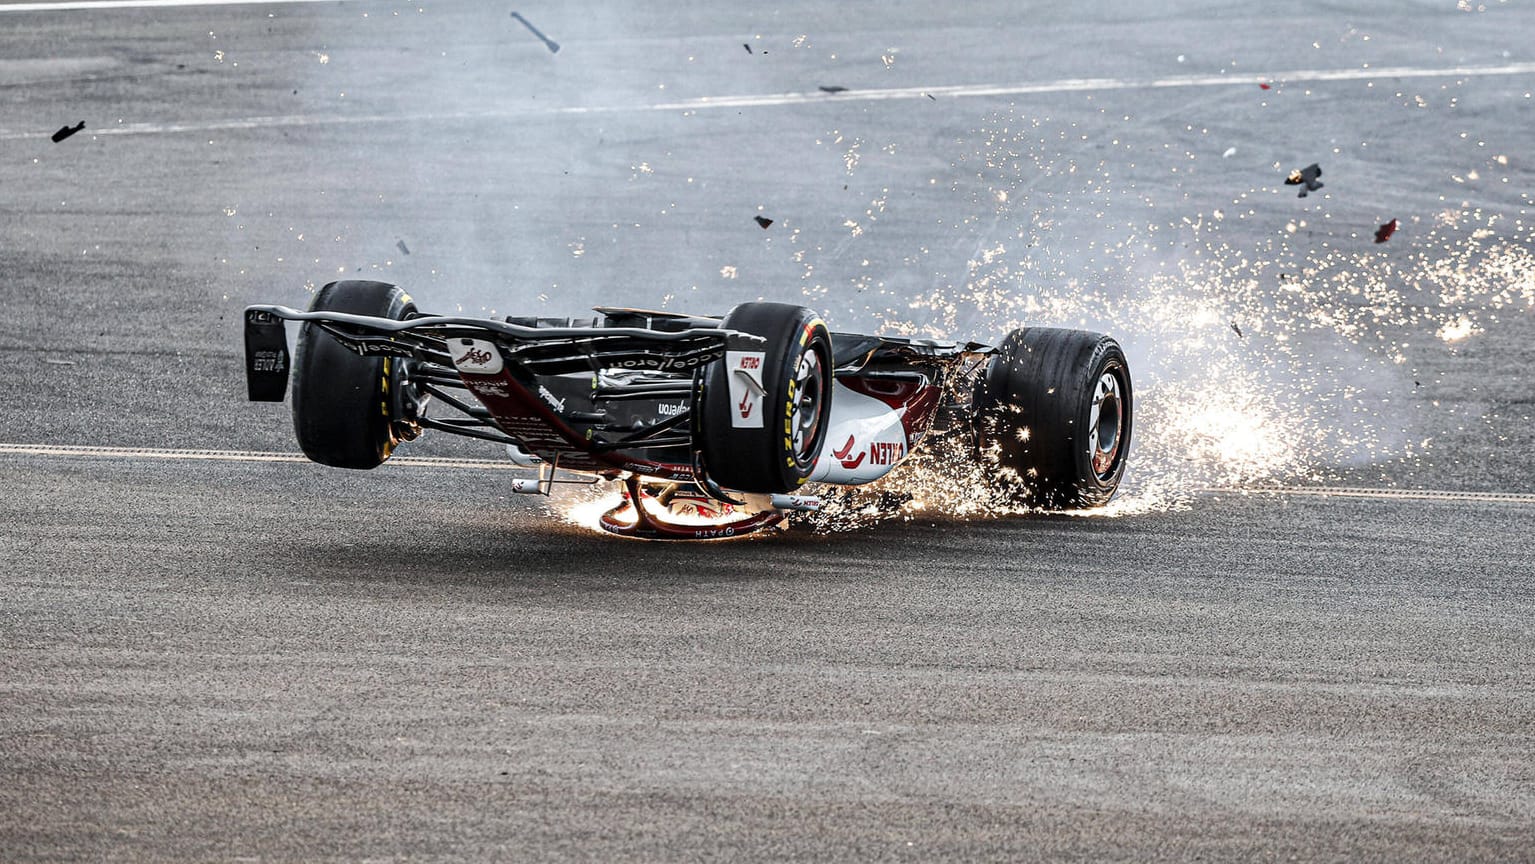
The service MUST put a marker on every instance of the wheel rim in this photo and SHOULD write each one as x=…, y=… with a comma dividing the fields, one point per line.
x=809, y=393
x=1106, y=423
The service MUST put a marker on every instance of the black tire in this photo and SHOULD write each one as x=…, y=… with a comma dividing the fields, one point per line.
x=343, y=403
x=1033, y=416
x=796, y=403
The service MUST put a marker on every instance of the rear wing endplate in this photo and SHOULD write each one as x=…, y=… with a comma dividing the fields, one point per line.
x=266, y=356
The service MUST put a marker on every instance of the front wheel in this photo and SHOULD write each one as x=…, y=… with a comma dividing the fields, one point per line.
x=763, y=409
x=345, y=404
x=1053, y=413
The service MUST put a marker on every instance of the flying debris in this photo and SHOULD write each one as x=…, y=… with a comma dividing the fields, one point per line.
x=763, y=221
x=1384, y=232
x=553, y=46
x=400, y=244
x=1264, y=86
x=1237, y=329
x=747, y=46
x=1307, y=176
x=66, y=131
x=832, y=89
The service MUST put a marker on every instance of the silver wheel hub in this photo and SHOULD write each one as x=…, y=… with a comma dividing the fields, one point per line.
x=1106, y=423
x=805, y=421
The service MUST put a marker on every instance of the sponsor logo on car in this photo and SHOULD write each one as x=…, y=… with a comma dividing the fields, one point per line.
x=886, y=452
x=489, y=388
x=555, y=402
x=659, y=363
x=843, y=454
x=475, y=356
x=666, y=409
x=366, y=348
x=269, y=361
x=746, y=389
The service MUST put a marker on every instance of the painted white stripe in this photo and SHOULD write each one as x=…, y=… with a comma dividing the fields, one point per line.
x=1075, y=85
x=709, y=103
x=153, y=453
x=76, y=5
x=148, y=453
x=1379, y=494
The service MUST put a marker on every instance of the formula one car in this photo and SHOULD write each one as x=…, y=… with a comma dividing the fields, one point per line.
x=717, y=427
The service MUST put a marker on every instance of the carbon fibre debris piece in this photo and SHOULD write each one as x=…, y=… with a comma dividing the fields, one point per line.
x=1306, y=177
x=553, y=46
x=1384, y=232
x=763, y=221
x=66, y=131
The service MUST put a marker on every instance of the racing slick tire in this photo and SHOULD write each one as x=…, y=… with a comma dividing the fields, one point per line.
x=1053, y=412
x=343, y=402
x=775, y=450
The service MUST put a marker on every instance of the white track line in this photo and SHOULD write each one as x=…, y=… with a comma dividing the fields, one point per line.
x=145, y=453
x=768, y=100
x=1078, y=85
x=82, y=5
x=153, y=453
x=1379, y=494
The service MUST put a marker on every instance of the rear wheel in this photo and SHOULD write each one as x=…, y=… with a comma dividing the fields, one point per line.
x=345, y=404
x=1053, y=412
x=763, y=410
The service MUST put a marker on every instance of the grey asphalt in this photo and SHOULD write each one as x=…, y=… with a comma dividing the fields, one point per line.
x=208, y=660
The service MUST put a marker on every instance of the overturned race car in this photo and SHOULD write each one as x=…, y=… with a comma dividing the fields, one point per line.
x=717, y=427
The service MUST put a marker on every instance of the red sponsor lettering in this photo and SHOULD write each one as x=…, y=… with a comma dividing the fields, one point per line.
x=751, y=362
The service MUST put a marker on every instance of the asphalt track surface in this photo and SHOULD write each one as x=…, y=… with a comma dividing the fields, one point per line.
x=228, y=659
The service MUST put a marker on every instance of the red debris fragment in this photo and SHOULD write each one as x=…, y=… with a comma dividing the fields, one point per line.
x=1264, y=86
x=1384, y=232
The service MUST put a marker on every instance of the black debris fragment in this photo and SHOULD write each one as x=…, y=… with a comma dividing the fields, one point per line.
x=402, y=247
x=763, y=221
x=1237, y=329
x=1384, y=232
x=747, y=47
x=833, y=89
x=931, y=96
x=66, y=131
x=1307, y=176
x=553, y=46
